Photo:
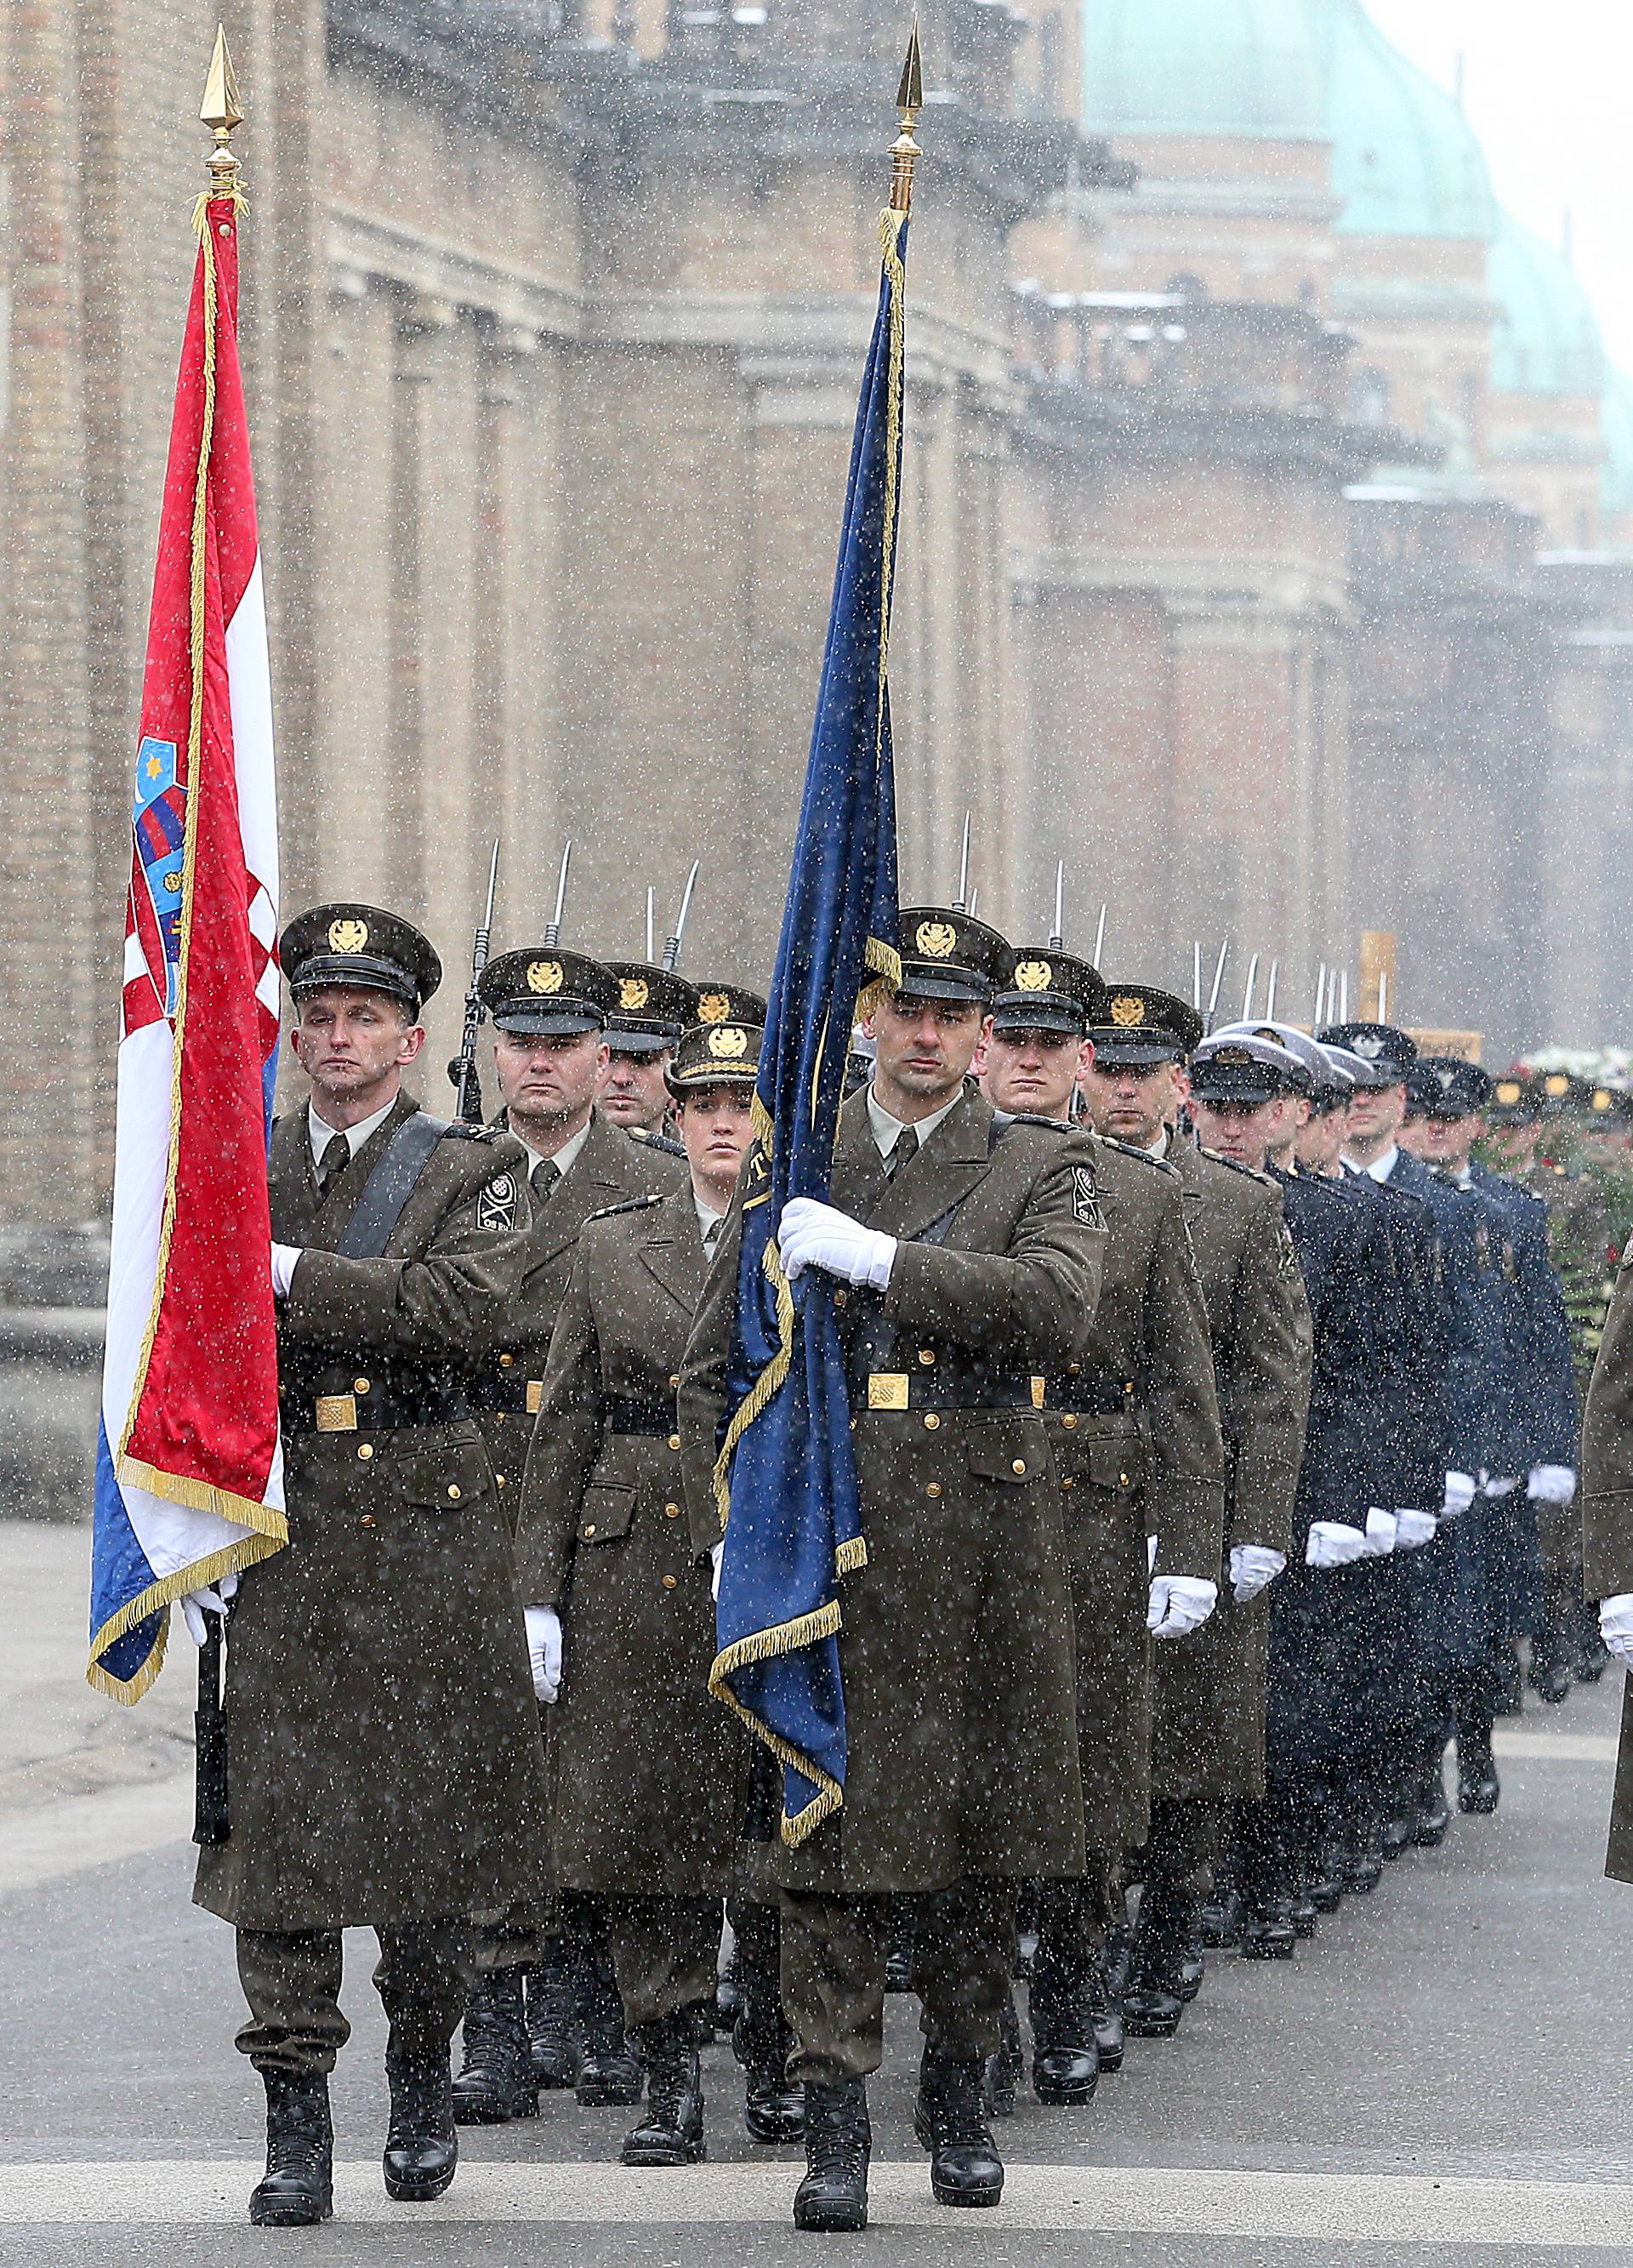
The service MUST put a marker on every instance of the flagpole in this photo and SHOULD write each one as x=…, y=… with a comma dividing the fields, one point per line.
x=904, y=151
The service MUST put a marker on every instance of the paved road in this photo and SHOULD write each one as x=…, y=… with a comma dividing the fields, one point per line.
x=1424, y=2083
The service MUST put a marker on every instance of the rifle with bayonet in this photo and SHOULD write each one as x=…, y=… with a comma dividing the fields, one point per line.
x=462, y=1071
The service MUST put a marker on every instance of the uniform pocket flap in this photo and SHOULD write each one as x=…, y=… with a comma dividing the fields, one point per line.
x=442, y=1480
x=606, y=1512
x=1115, y=1464
x=1016, y=1453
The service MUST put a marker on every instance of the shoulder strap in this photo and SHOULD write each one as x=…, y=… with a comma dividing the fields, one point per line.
x=389, y=1187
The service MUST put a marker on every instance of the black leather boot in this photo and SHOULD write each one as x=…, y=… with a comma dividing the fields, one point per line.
x=1105, y=2015
x=610, y=2072
x=297, y=2188
x=1066, y=2063
x=898, y=1956
x=1003, y=2069
x=774, y=2110
x=1268, y=1933
x=672, y=2132
x=421, y=2148
x=1551, y=1674
x=496, y=2081
x=1478, y=1788
x=965, y=2168
x=833, y=2196
x=1154, y=1999
x=553, y=2045
x=1433, y=1814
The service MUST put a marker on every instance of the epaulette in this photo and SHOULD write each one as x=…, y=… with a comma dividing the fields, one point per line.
x=1004, y=1121
x=671, y=1149
x=1127, y=1150
x=628, y=1204
x=461, y=1129
x=1248, y=1172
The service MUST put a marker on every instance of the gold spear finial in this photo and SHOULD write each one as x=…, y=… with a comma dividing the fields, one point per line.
x=220, y=112
x=904, y=151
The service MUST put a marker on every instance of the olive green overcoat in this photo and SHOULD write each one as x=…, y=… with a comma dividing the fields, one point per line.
x=1608, y=1523
x=955, y=1648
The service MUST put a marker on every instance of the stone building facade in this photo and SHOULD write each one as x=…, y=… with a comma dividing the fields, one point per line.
x=553, y=316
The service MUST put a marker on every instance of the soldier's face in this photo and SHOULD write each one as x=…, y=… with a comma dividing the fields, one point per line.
x=1319, y=1139
x=353, y=1045
x=923, y=1049
x=1439, y=1141
x=549, y=1075
x=1241, y=1131
x=1376, y=1110
x=715, y=1123
x=1132, y=1103
x=633, y=1092
x=1033, y=1070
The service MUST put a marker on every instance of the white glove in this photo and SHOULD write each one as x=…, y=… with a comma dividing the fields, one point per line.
x=1253, y=1567
x=811, y=1234
x=1380, y=1526
x=544, y=1650
x=1178, y=1604
x=1551, y=1484
x=717, y=1553
x=1459, y=1494
x=1493, y=1486
x=1333, y=1543
x=193, y=1604
x=1412, y=1528
x=1150, y=1553
x=283, y=1259
x=1615, y=1627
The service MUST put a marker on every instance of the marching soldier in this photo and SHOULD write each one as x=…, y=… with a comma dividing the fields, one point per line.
x=549, y=1009
x=654, y=1008
x=385, y=1765
x=1608, y=1536
x=1135, y=1427
x=649, y=1765
x=969, y=1251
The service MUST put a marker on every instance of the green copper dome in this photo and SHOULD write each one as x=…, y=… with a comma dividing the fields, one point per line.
x=1545, y=338
x=1405, y=160
x=1234, y=67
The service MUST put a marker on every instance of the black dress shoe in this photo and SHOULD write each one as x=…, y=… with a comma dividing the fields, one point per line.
x=553, y=2041
x=1303, y=1912
x=421, y=2147
x=1360, y=1868
x=496, y=2082
x=965, y=2168
x=672, y=2132
x=1222, y=1918
x=1550, y=1672
x=1593, y=1655
x=611, y=2070
x=1324, y=1886
x=1191, y=1967
x=1396, y=1837
x=833, y=2196
x=1066, y=2063
x=1003, y=2069
x=1105, y=2016
x=1268, y=1933
x=297, y=2188
x=1478, y=1788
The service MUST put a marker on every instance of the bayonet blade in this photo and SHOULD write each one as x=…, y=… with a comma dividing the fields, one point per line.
x=1219, y=979
x=1099, y=940
x=1269, y=991
x=553, y=928
x=1057, y=935
x=961, y=904
x=1253, y=979
x=672, y=943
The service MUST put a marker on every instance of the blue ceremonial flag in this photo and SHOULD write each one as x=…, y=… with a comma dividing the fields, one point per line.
x=786, y=1480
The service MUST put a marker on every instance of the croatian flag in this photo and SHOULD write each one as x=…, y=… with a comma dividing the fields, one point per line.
x=189, y=1473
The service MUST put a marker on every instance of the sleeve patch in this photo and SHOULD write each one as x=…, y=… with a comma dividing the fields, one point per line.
x=1086, y=1199
x=496, y=1206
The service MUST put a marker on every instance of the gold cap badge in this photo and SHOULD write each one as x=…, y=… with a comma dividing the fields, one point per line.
x=728, y=1040
x=347, y=935
x=544, y=976
x=633, y=991
x=1127, y=1010
x=936, y=939
x=714, y=1007
x=1033, y=977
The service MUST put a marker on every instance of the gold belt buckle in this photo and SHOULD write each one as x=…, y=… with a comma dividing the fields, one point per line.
x=888, y=1389
x=535, y=1396
x=338, y=1413
x=1037, y=1385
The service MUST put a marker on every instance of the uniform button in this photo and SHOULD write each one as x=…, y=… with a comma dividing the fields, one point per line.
x=930, y=1421
x=1068, y=1482
x=365, y=1450
x=675, y=1380
x=669, y=1582
x=1019, y=1465
x=672, y=1512
x=507, y=1362
x=839, y=1299
x=359, y=1385
x=1123, y=1479
x=674, y=1440
x=498, y=1417
x=453, y=1490
x=927, y=1354
x=589, y=1532
x=1073, y=1368
x=1070, y=1423
x=934, y=1489
x=368, y=1520
x=500, y=1478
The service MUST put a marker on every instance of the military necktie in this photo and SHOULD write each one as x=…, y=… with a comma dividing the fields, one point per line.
x=904, y=1152
x=545, y=1176
x=335, y=1159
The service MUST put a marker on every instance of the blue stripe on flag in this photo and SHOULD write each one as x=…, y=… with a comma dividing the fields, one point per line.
x=120, y=1572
